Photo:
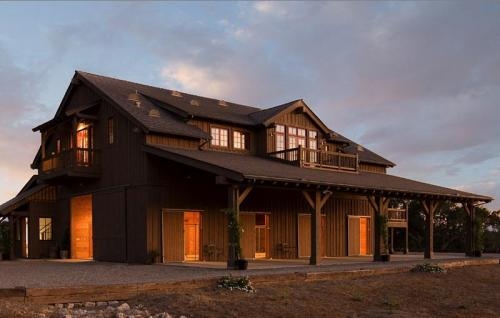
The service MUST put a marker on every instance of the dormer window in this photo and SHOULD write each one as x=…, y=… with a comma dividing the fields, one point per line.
x=219, y=137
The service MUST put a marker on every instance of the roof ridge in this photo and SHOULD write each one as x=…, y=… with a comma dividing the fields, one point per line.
x=83, y=73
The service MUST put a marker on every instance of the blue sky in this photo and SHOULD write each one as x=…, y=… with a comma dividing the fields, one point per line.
x=417, y=82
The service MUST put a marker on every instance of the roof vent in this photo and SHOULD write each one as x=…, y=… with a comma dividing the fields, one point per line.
x=154, y=112
x=222, y=103
x=134, y=97
x=194, y=102
x=176, y=94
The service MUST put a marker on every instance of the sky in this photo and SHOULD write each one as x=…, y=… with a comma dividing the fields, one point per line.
x=417, y=82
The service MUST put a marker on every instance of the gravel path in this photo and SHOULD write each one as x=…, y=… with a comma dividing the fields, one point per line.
x=54, y=273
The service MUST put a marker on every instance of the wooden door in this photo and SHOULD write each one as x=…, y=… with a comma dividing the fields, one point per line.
x=192, y=236
x=247, y=239
x=358, y=236
x=261, y=235
x=81, y=227
x=304, y=235
x=173, y=238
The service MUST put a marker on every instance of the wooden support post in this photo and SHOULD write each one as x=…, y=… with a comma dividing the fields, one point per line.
x=429, y=208
x=379, y=205
x=234, y=200
x=407, y=250
x=12, y=238
x=316, y=206
x=470, y=235
x=391, y=249
x=233, y=207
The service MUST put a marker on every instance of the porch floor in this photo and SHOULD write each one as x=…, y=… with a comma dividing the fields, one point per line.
x=71, y=273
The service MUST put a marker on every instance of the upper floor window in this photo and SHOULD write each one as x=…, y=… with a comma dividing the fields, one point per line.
x=296, y=137
x=240, y=140
x=280, y=137
x=111, y=130
x=219, y=137
x=45, y=229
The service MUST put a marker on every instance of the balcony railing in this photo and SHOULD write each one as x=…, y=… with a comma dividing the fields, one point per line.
x=397, y=217
x=76, y=161
x=315, y=158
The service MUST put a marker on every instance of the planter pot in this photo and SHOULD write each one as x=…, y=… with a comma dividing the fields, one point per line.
x=64, y=254
x=385, y=257
x=242, y=264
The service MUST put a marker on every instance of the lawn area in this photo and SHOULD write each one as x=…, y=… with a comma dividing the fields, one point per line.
x=461, y=292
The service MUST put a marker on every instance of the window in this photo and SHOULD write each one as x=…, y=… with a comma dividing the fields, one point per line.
x=280, y=140
x=45, y=229
x=111, y=131
x=313, y=145
x=219, y=137
x=240, y=140
x=58, y=145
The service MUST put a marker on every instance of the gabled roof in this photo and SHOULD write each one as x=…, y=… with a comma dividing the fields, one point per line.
x=250, y=168
x=29, y=189
x=173, y=109
x=269, y=115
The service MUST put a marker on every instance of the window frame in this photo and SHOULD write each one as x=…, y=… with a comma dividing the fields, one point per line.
x=217, y=142
x=47, y=228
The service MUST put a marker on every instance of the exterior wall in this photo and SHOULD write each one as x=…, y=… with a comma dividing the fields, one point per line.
x=165, y=140
x=38, y=248
x=176, y=187
x=286, y=205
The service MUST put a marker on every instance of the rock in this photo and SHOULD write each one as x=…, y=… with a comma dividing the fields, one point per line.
x=59, y=306
x=113, y=303
x=162, y=315
x=102, y=303
x=41, y=316
x=123, y=307
x=89, y=304
x=120, y=315
x=70, y=305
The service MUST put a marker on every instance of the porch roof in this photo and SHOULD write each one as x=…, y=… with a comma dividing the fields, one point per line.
x=19, y=200
x=252, y=169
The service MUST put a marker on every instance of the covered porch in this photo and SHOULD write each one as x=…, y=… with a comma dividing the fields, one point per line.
x=242, y=176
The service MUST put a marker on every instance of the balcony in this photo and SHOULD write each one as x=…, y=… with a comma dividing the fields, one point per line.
x=314, y=158
x=77, y=162
x=397, y=217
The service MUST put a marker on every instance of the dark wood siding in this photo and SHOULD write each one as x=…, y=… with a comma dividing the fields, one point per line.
x=155, y=139
x=372, y=168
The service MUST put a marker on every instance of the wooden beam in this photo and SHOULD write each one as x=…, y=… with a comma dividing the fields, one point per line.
x=326, y=196
x=308, y=199
x=243, y=195
x=233, y=207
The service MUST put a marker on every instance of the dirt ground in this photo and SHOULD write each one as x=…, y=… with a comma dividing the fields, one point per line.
x=461, y=292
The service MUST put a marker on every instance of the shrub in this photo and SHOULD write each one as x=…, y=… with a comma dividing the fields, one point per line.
x=428, y=268
x=240, y=283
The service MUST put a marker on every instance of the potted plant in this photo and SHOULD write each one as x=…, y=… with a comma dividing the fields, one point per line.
x=384, y=234
x=234, y=242
x=64, y=252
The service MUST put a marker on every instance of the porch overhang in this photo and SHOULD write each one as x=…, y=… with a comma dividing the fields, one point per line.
x=248, y=169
